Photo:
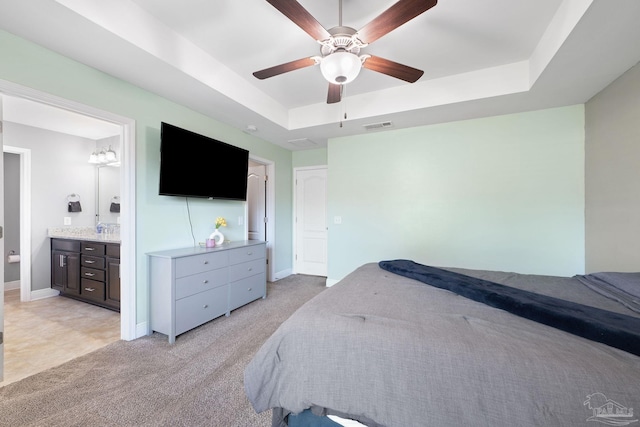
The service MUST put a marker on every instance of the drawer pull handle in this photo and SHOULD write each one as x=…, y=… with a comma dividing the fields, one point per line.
x=89, y=274
x=205, y=306
x=206, y=262
x=249, y=289
x=90, y=289
x=90, y=249
x=205, y=282
x=89, y=261
x=249, y=253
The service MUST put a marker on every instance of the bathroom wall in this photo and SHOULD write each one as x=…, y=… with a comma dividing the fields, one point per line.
x=59, y=167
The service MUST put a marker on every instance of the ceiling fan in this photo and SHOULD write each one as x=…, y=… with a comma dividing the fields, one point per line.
x=340, y=46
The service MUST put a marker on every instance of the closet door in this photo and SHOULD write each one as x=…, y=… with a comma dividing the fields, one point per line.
x=311, y=221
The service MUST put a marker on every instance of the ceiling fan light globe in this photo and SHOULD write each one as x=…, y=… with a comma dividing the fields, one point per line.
x=340, y=67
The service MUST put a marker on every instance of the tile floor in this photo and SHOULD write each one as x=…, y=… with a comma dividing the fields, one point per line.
x=41, y=334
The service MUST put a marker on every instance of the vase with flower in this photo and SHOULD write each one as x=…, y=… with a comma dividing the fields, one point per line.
x=217, y=237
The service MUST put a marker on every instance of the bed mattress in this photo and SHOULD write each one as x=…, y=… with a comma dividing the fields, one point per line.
x=386, y=350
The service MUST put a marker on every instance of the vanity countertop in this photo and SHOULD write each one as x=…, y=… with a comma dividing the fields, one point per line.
x=82, y=233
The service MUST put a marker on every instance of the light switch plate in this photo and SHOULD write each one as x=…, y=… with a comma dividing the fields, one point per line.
x=67, y=220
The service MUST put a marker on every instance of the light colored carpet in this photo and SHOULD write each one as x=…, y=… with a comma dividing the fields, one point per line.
x=198, y=381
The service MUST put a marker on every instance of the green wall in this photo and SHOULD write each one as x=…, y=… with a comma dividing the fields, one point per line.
x=501, y=193
x=316, y=157
x=162, y=222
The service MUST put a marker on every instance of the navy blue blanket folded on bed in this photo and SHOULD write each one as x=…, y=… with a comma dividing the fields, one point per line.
x=616, y=330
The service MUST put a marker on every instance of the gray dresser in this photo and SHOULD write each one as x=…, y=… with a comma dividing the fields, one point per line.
x=191, y=286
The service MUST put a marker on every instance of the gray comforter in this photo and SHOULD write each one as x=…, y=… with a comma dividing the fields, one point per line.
x=391, y=351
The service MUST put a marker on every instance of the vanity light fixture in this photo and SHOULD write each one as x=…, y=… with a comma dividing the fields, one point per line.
x=93, y=158
x=110, y=155
x=103, y=157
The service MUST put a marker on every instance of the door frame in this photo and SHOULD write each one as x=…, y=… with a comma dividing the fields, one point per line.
x=128, y=303
x=24, y=155
x=270, y=167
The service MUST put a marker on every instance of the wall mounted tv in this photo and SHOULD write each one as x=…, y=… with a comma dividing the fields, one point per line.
x=193, y=165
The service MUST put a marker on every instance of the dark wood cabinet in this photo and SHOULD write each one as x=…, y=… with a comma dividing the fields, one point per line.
x=65, y=267
x=87, y=271
x=113, y=281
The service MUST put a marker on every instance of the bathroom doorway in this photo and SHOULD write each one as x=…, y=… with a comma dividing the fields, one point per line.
x=126, y=131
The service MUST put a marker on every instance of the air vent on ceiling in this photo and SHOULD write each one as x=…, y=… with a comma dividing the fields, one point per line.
x=302, y=142
x=376, y=126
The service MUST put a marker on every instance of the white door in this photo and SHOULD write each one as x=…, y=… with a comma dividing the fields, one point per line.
x=257, y=203
x=1, y=249
x=311, y=221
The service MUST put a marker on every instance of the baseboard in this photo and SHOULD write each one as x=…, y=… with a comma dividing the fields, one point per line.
x=9, y=286
x=44, y=293
x=331, y=282
x=142, y=329
x=282, y=274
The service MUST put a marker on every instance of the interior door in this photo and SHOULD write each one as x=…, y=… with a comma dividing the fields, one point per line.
x=1, y=248
x=311, y=221
x=257, y=202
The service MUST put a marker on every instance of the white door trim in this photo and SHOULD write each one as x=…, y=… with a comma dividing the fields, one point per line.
x=25, y=218
x=270, y=167
x=128, y=304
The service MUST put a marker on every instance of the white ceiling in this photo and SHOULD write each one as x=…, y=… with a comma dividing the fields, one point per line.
x=480, y=58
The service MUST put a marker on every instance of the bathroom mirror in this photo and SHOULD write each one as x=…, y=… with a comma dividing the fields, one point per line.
x=106, y=158
x=107, y=194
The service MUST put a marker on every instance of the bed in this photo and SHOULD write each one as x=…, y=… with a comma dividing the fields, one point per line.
x=388, y=349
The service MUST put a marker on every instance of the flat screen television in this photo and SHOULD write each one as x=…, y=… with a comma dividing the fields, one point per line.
x=193, y=165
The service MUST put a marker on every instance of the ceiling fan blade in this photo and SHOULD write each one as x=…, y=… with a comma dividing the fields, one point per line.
x=393, y=69
x=284, y=68
x=398, y=14
x=301, y=17
x=335, y=93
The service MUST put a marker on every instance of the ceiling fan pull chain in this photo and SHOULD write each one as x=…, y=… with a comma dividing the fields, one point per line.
x=344, y=104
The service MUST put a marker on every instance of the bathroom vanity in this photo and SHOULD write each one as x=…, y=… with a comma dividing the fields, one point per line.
x=86, y=267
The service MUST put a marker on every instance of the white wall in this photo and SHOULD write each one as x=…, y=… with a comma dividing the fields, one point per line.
x=499, y=193
x=59, y=167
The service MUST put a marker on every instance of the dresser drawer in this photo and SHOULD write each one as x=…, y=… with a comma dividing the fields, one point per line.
x=92, y=273
x=200, y=308
x=92, y=248
x=92, y=290
x=199, y=263
x=92, y=261
x=246, y=290
x=250, y=253
x=247, y=269
x=195, y=283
